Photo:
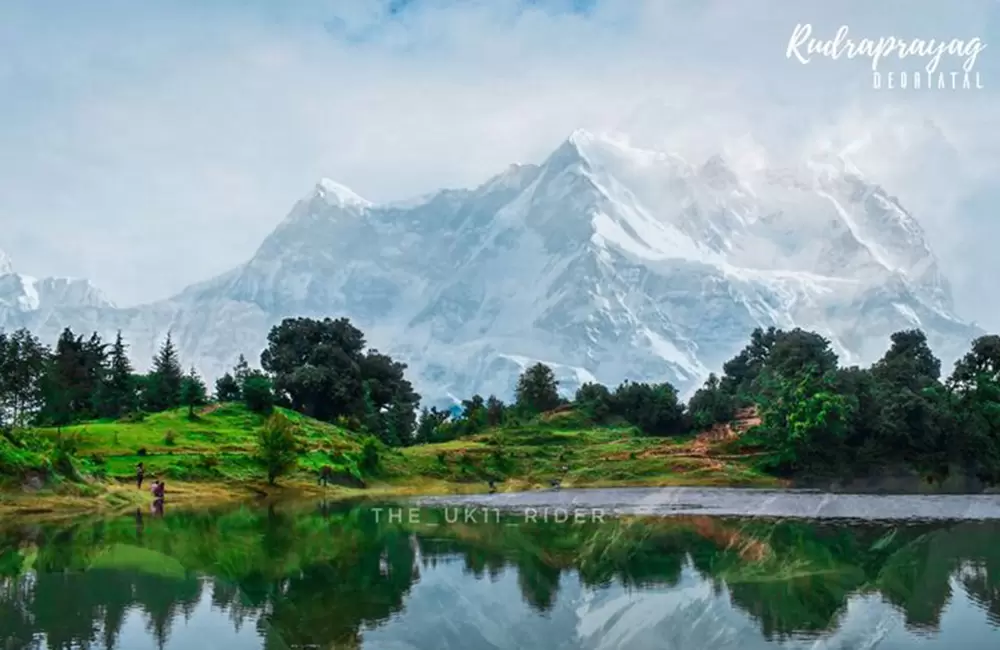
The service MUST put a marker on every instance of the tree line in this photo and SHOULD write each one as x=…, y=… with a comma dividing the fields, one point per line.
x=816, y=416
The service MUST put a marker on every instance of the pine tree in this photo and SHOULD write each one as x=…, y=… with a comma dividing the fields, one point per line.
x=64, y=388
x=227, y=389
x=95, y=359
x=119, y=391
x=193, y=392
x=24, y=361
x=163, y=386
x=241, y=372
x=258, y=394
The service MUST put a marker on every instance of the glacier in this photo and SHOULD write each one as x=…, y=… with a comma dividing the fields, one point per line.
x=606, y=260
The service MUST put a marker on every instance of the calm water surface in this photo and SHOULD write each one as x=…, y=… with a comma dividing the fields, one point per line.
x=425, y=574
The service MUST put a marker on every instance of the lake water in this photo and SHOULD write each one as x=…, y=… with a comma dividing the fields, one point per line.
x=545, y=570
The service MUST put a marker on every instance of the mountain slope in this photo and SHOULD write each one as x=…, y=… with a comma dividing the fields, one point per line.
x=33, y=302
x=605, y=260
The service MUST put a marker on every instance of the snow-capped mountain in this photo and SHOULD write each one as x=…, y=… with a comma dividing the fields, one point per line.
x=28, y=301
x=605, y=260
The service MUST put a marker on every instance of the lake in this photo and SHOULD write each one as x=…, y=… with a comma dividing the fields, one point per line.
x=552, y=570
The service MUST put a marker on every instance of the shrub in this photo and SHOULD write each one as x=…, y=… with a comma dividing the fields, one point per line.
x=276, y=446
x=258, y=394
x=65, y=448
x=133, y=417
x=141, y=451
x=170, y=438
x=500, y=458
x=370, y=460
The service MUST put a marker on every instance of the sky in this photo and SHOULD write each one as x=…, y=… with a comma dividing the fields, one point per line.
x=149, y=145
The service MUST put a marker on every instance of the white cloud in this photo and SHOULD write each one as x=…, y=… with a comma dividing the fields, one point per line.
x=149, y=147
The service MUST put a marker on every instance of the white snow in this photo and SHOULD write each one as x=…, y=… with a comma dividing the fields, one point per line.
x=6, y=266
x=907, y=313
x=336, y=193
x=617, y=263
x=30, y=300
x=670, y=352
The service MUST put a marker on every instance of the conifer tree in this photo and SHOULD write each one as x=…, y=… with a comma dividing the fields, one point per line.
x=193, y=392
x=163, y=385
x=227, y=389
x=95, y=359
x=119, y=392
x=64, y=388
x=241, y=372
x=23, y=361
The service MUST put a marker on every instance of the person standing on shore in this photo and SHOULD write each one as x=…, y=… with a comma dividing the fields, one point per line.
x=140, y=473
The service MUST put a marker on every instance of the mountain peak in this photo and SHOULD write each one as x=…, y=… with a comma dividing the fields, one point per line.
x=335, y=193
x=581, y=137
x=6, y=266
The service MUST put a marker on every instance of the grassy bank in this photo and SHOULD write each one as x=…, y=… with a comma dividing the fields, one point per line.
x=210, y=459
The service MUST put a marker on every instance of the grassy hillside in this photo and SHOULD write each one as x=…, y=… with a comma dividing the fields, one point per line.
x=217, y=444
x=214, y=453
x=562, y=446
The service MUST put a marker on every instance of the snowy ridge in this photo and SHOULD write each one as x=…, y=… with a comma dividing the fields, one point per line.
x=605, y=260
x=6, y=266
x=340, y=195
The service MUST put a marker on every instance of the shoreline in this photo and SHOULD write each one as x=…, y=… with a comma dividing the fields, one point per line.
x=111, y=499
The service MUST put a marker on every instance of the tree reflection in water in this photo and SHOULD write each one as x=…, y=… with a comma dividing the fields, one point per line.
x=319, y=577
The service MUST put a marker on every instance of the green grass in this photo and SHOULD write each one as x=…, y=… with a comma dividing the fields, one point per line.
x=219, y=442
x=560, y=448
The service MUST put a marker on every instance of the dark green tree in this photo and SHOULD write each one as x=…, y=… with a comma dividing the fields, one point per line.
x=163, y=385
x=495, y=411
x=594, y=401
x=241, y=371
x=474, y=416
x=66, y=388
x=429, y=424
x=916, y=417
x=118, y=394
x=537, y=389
x=321, y=369
x=975, y=384
x=711, y=404
x=741, y=371
x=95, y=361
x=258, y=394
x=23, y=361
x=227, y=389
x=805, y=422
x=193, y=392
x=654, y=408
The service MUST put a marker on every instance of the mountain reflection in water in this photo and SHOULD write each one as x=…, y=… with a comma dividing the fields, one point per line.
x=334, y=577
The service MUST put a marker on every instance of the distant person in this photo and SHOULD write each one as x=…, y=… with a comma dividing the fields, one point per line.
x=140, y=473
x=325, y=475
x=493, y=487
x=159, y=489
